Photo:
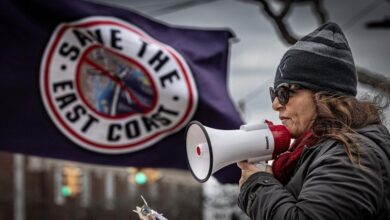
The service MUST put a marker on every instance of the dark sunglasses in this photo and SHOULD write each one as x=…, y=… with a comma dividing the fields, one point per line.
x=283, y=92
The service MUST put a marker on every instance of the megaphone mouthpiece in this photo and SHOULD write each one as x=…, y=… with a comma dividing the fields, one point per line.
x=282, y=138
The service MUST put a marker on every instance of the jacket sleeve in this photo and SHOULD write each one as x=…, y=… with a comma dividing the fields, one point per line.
x=333, y=188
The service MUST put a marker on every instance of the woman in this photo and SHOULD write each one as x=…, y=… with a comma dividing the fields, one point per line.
x=339, y=164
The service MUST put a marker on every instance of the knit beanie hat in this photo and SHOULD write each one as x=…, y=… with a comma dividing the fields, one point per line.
x=320, y=61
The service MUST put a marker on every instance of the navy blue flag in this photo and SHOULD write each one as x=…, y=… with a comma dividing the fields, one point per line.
x=98, y=84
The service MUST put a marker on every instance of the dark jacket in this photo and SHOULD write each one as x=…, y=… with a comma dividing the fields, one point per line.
x=326, y=185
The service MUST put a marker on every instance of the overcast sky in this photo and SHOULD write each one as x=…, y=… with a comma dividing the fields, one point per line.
x=254, y=58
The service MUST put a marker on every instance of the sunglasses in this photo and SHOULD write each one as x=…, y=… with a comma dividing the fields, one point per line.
x=283, y=92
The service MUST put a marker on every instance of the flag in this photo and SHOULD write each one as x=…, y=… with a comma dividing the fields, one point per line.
x=98, y=84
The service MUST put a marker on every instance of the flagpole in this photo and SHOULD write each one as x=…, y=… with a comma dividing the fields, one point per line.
x=19, y=189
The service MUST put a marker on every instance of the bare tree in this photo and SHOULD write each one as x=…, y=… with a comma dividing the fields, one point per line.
x=375, y=80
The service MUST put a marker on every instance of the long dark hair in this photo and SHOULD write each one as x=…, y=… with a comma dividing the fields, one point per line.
x=339, y=115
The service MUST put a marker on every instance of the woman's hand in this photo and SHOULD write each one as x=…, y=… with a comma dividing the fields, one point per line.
x=248, y=169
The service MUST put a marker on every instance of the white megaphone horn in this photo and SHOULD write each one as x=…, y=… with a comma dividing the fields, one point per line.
x=209, y=149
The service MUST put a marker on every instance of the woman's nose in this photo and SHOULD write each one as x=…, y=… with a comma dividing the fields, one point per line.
x=276, y=105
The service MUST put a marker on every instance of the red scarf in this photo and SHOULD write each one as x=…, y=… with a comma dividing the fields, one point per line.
x=284, y=165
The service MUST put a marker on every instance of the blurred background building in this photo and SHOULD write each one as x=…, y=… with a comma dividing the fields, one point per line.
x=55, y=189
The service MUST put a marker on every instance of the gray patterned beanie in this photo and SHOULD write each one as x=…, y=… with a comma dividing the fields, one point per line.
x=320, y=61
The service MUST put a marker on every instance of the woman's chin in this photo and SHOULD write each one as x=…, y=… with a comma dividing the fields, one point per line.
x=293, y=133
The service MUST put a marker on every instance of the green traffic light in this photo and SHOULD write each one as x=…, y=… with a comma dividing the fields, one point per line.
x=140, y=178
x=66, y=191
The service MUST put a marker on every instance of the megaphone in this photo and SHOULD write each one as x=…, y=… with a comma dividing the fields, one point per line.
x=209, y=149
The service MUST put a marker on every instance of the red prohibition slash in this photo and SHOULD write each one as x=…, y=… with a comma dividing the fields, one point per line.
x=105, y=72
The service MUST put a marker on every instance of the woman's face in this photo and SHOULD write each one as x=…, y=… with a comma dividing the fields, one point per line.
x=299, y=113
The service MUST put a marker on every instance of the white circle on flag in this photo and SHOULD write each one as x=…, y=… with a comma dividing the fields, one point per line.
x=112, y=88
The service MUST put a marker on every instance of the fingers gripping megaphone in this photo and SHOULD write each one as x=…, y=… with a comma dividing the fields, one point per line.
x=209, y=149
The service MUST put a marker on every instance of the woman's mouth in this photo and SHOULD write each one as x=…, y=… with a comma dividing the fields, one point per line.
x=284, y=120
